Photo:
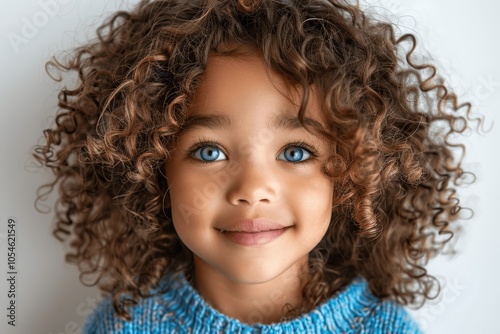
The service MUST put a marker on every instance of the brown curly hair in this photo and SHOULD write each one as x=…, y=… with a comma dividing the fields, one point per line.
x=392, y=124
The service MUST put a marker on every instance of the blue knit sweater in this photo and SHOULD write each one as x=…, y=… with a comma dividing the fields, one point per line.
x=182, y=310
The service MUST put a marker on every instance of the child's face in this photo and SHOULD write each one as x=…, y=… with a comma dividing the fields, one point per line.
x=247, y=172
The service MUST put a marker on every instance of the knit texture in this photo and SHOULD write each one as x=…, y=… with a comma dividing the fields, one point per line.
x=180, y=309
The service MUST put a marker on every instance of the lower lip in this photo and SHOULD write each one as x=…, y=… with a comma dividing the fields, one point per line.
x=257, y=238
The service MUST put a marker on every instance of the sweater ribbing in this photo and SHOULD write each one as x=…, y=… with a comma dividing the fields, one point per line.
x=178, y=308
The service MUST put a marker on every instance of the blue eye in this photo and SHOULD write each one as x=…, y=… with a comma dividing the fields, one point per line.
x=208, y=153
x=295, y=154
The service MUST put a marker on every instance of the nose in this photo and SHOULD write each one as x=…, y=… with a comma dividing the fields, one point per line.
x=255, y=183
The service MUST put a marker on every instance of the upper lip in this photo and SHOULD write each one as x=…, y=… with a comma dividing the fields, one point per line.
x=253, y=226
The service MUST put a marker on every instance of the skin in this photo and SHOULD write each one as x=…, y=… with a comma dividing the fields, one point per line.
x=251, y=178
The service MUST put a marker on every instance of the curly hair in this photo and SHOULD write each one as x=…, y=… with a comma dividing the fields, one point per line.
x=392, y=124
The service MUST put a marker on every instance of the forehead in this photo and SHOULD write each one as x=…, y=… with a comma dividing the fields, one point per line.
x=226, y=73
x=232, y=84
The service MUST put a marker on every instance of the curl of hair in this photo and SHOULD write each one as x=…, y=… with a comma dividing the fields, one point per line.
x=391, y=123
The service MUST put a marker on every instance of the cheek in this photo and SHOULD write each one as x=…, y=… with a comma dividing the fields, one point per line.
x=184, y=183
x=313, y=205
x=316, y=194
x=188, y=205
x=193, y=196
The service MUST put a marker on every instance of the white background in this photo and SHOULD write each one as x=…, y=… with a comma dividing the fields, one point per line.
x=461, y=36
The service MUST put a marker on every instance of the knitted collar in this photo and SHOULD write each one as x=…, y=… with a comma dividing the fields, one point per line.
x=344, y=312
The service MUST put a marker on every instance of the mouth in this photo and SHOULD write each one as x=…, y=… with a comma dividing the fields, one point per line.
x=253, y=232
x=258, y=225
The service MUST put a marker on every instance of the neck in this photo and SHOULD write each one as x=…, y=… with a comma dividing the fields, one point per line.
x=251, y=303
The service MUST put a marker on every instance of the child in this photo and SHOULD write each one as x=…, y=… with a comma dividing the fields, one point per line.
x=254, y=166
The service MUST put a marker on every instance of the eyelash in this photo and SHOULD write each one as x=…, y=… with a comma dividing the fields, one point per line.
x=201, y=142
x=303, y=145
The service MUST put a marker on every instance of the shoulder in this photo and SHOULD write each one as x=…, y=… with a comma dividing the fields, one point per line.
x=355, y=309
x=146, y=315
x=390, y=317
x=101, y=320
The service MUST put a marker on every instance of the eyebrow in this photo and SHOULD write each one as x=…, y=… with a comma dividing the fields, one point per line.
x=286, y=122
x=282, y=121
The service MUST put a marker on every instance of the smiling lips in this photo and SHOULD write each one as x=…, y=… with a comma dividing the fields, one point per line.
x=254, y=231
